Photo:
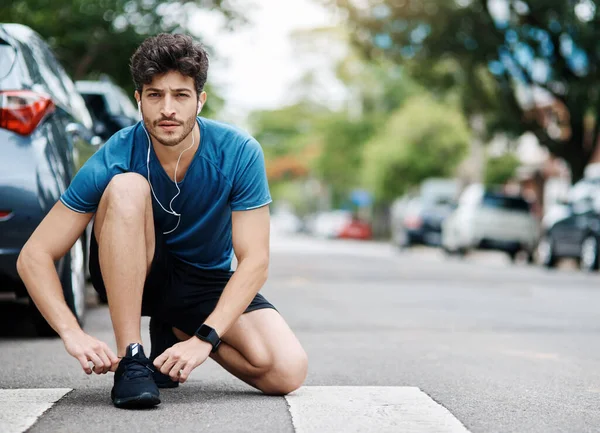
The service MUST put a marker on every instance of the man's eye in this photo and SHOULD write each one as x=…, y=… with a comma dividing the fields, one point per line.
x=153, y=94
x=183, y=94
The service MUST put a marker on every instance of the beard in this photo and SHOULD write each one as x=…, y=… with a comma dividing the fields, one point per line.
x=171, y=138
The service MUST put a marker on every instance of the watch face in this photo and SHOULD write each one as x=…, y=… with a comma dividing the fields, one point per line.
x=204, y=331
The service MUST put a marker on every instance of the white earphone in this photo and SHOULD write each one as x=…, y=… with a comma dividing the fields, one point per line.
x=172, y=211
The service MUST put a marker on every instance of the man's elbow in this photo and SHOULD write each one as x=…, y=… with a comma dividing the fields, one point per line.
x=260, y=266
x=28, y=257
x=263, y=266
x=22, y=261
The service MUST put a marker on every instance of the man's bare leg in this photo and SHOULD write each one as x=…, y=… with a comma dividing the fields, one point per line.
x=124, y=230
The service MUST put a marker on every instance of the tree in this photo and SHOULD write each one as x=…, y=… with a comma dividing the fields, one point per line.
x=528, y=65
x=286, y=130
x=425, y=138
x=500, y=169
x=95, y=37
x=341, y=153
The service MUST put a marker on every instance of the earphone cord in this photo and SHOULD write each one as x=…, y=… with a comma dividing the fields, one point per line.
x=172, y=212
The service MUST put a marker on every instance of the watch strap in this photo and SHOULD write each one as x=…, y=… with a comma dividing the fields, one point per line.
x=208, y=334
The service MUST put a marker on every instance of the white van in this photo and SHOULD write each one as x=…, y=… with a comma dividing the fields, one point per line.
x=489, y=220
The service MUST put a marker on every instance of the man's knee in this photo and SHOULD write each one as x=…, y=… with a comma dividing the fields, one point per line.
x=127, y=195
x=286, y=374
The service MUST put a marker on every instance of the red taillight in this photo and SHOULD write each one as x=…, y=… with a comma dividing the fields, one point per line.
x=413, y=222
x=21, y=111
x=5, y=215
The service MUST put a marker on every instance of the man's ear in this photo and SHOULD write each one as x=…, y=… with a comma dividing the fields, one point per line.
x=137, y=96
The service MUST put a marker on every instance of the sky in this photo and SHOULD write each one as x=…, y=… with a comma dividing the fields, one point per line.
x=254, y=66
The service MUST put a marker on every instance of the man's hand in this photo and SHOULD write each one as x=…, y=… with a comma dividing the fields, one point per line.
x=86, y=349
x=179, y=361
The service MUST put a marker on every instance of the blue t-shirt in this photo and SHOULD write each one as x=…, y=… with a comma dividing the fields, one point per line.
x=226, y=174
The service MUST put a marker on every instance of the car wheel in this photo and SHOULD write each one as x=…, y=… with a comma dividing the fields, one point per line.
x=74, y=287
x=589, y=254
x=545, y=251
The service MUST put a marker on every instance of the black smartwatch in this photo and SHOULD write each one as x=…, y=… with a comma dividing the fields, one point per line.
x=208, y=334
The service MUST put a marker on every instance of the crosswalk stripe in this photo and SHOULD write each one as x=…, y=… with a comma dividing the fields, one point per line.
x=381, y=409
x=20, y=408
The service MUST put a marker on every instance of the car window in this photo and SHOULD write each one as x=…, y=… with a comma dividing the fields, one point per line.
x=48, y=71
x=114, y=103
x=30, y=63
x=106, y=104
x=78, y=107
x=498, y=201
x=127, y=105
x=8, y=57
x=97, y=105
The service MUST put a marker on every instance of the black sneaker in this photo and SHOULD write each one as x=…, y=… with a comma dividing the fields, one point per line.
x=134, y=386
x=161, y=338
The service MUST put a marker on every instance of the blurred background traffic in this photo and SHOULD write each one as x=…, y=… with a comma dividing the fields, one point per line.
x=462, y=125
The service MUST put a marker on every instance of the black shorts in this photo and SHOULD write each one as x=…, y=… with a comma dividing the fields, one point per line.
x=176, y=292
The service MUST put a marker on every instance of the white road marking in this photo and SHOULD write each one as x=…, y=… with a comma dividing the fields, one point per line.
x=380, y=409
x=20, y=408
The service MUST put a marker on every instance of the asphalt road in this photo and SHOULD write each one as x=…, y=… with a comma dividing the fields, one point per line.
x=504, y=348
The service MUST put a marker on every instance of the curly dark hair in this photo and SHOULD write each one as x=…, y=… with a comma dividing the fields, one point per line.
x=166, y=52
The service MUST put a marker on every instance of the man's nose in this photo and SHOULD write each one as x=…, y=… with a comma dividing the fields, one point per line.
x=168, y=108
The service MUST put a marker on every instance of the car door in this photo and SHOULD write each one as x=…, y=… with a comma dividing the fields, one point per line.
x=586, y=222
x=569, y=233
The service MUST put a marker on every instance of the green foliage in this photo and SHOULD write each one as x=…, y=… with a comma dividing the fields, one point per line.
x=377, y=90
x=500, y=169
x=493, y=55
x=286, y=130
x=293, y=192
x=95, y=37
x=425, y=138
x=340, y=160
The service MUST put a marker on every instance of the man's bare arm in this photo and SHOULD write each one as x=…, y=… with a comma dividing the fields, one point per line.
x=51, y=240
x=250, y=235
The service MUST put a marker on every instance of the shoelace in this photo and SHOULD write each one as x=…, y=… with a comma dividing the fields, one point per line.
x=136, y=368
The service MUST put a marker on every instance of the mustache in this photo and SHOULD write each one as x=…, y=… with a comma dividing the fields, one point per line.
x=164, y=119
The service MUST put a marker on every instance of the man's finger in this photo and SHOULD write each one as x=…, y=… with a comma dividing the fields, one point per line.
x=174, y=373
x=84, y=364
x=160, y=359
x=105, y=361
x=168, y=365
x=98, y=364
x=186, y=372
x=114, y=359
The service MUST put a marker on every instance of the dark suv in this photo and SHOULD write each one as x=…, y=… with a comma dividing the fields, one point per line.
x=575, y=231
x=45, y=137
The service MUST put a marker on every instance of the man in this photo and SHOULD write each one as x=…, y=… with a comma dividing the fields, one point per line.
x=173, y=197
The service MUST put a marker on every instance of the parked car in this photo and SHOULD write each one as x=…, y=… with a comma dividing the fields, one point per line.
x=418, y=219
x=328, y=224
x=109, y=105
x=421, y=222
x=575, y=233
x=356, y=228
x=45, y=137
x=485, y=219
